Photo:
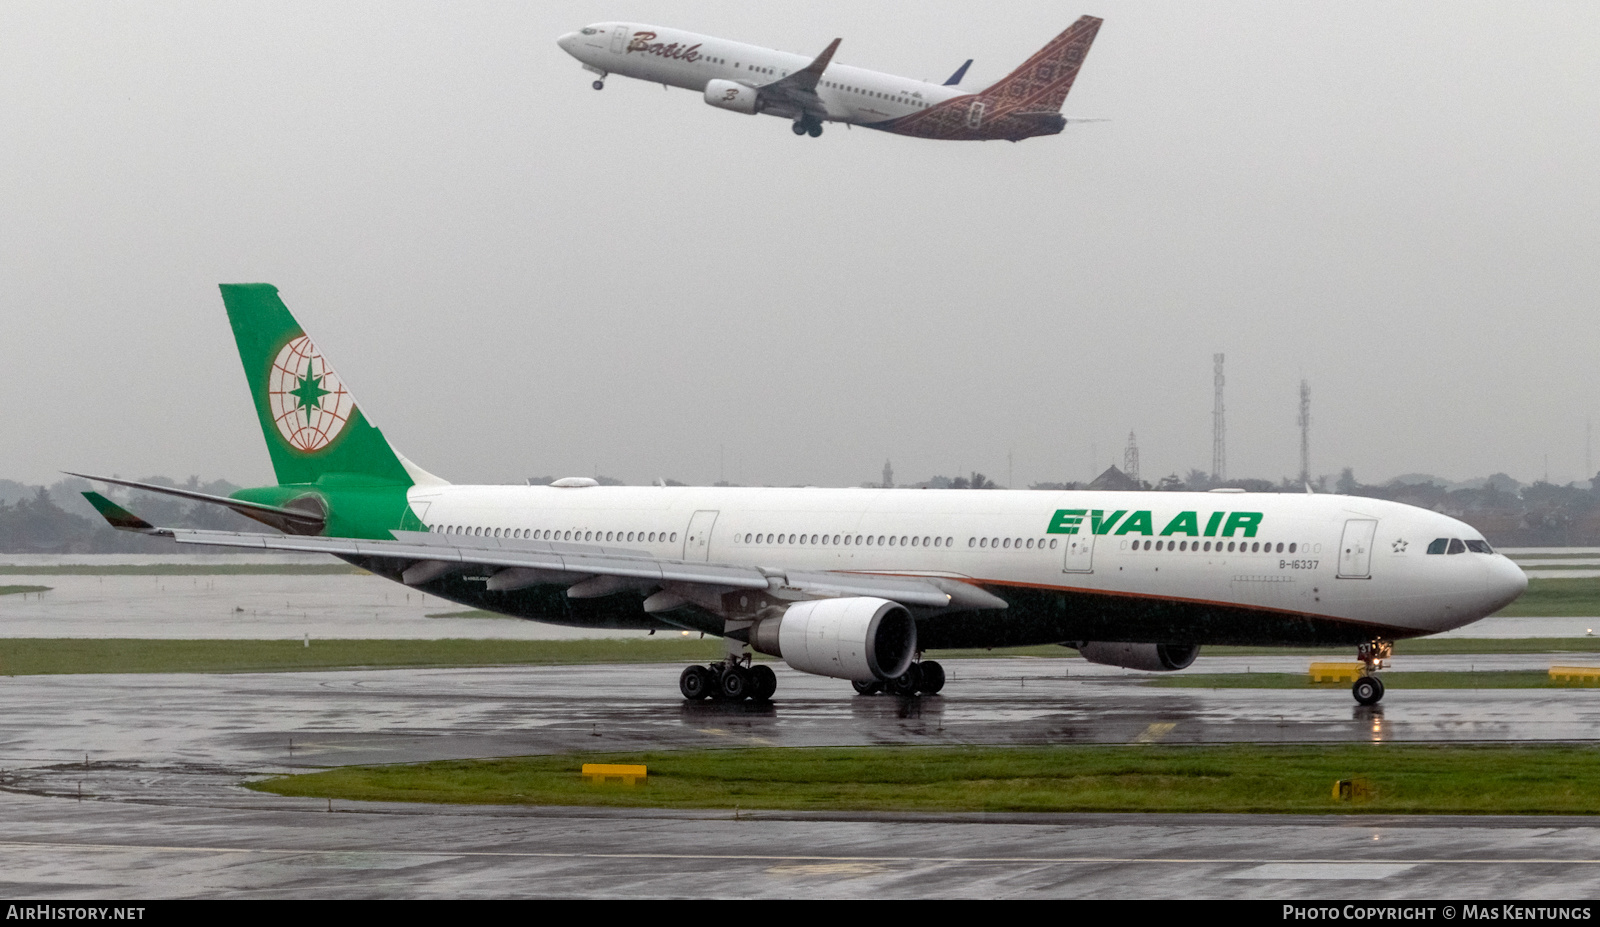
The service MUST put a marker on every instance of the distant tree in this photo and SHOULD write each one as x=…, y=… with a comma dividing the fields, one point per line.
x=609, y=481
x=1347, y=484
x=1197, y=480
x=1171, y=483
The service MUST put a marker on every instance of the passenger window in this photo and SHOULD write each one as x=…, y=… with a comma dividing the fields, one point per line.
x=1438, y=545
x=1052, y=543
x=1456, y=547
x=1291, y=548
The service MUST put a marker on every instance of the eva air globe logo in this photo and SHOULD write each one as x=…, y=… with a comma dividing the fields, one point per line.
x=309, y=404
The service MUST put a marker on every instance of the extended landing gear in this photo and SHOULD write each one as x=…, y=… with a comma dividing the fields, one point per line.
x=925, y=678
x=730, y=681
x=1368, y=688
x=599, y=85
x=808, y=126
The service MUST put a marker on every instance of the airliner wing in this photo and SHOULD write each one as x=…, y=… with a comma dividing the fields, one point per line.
x=541, y=562
x=800, y=88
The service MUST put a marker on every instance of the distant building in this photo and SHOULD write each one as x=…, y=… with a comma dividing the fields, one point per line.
x=888, y=475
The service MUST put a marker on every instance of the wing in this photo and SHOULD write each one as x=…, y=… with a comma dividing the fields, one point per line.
x=586, y=570
x=799, y=90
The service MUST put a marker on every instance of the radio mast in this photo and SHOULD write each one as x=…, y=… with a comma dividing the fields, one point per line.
x=1305, y=433
x=1219, y=428
x=1130, y=458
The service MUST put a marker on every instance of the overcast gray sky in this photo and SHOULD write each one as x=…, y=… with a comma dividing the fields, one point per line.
x=517, y=275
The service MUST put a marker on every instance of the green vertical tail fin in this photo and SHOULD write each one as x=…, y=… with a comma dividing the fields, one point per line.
x=312, y=425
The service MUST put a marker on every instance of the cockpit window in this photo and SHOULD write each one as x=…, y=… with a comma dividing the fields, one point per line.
x=1456, y=547
x=588, y=30
x=1480, y=547
x=1438, y=545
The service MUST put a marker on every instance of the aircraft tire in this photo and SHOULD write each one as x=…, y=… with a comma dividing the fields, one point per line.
x=695, y=683
x=599, y=85
x=932, y=677
x=907, y=683
x=735, y=684
x=763, y=683
x=814, y=130
x=799, y=128
x=1368, y=690
x=870, y=687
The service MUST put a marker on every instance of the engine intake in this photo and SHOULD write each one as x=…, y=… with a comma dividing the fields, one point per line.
x=728, y=94
x=1157, y=658
x=858, y=637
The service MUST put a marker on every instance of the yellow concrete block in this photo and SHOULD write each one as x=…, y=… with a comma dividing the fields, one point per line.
x=1336, y=672
x=601, y=772
x=1357, y=789
x=1580, y=675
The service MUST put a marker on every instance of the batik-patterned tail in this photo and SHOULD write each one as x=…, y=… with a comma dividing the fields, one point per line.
x=1041, y=84
x=1025, y=104
x=311, y=422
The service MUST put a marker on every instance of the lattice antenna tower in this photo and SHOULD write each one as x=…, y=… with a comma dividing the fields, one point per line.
x=1219, y=427
x=1130, y=458
x=1305, y=433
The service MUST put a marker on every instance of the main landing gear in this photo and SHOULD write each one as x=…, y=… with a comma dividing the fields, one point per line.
x=733, y=680
x=925, y=678
x=807, y=125
x=1368, y=688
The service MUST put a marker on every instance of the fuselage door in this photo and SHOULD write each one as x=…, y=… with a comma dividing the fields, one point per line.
x=619, y=39
x=1355, y=551
x=975, y=114
x=697, y=540
x=1080, y=554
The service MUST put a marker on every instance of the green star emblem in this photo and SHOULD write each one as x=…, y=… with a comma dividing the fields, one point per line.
x=309, y=392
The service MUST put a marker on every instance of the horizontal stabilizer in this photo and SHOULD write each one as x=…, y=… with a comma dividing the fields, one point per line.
x=959, y=74
x=298, y=521
x=119, y=517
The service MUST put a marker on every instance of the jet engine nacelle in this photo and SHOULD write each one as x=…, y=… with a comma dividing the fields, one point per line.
x=859, y=638
x=727, y=94
x=1157, y=658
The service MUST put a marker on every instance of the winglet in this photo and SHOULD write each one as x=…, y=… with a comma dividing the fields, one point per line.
x=119, y=517
x=959, y=74
x=820, y=64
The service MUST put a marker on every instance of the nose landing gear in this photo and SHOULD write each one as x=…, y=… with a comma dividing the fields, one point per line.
x=1368, y=688
x=599, y=85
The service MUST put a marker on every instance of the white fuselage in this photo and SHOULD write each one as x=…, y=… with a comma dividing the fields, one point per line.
x=687, y=60
x=1338, y=558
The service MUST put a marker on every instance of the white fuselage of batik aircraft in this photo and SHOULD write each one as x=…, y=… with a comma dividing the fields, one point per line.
x=812, y=91
x=850, y=583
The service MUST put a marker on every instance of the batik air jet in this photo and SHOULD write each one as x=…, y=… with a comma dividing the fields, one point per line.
x=811, y=91
x=855, y=584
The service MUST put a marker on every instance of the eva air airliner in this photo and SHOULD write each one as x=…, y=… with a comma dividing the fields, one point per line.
x=854, y=584
x=749, y=79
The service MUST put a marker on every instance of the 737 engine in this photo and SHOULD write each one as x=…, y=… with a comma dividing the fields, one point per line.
x=727, y=94
x=858, y=638
x=1156, y=658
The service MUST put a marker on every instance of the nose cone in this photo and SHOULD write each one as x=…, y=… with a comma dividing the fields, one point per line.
x=567, y=42
x=1506, y=583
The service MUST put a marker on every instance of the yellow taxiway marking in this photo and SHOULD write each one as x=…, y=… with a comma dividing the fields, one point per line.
x=1155, y=732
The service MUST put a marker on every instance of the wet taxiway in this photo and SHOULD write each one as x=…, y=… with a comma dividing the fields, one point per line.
x=158, y=760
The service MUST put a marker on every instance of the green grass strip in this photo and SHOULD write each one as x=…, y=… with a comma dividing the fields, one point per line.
x=184, y=569
x=1556, y=597
x=1497, y=679
x=28, y=656
x=45, y=656
x=1251, y=779
x=22, y=590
